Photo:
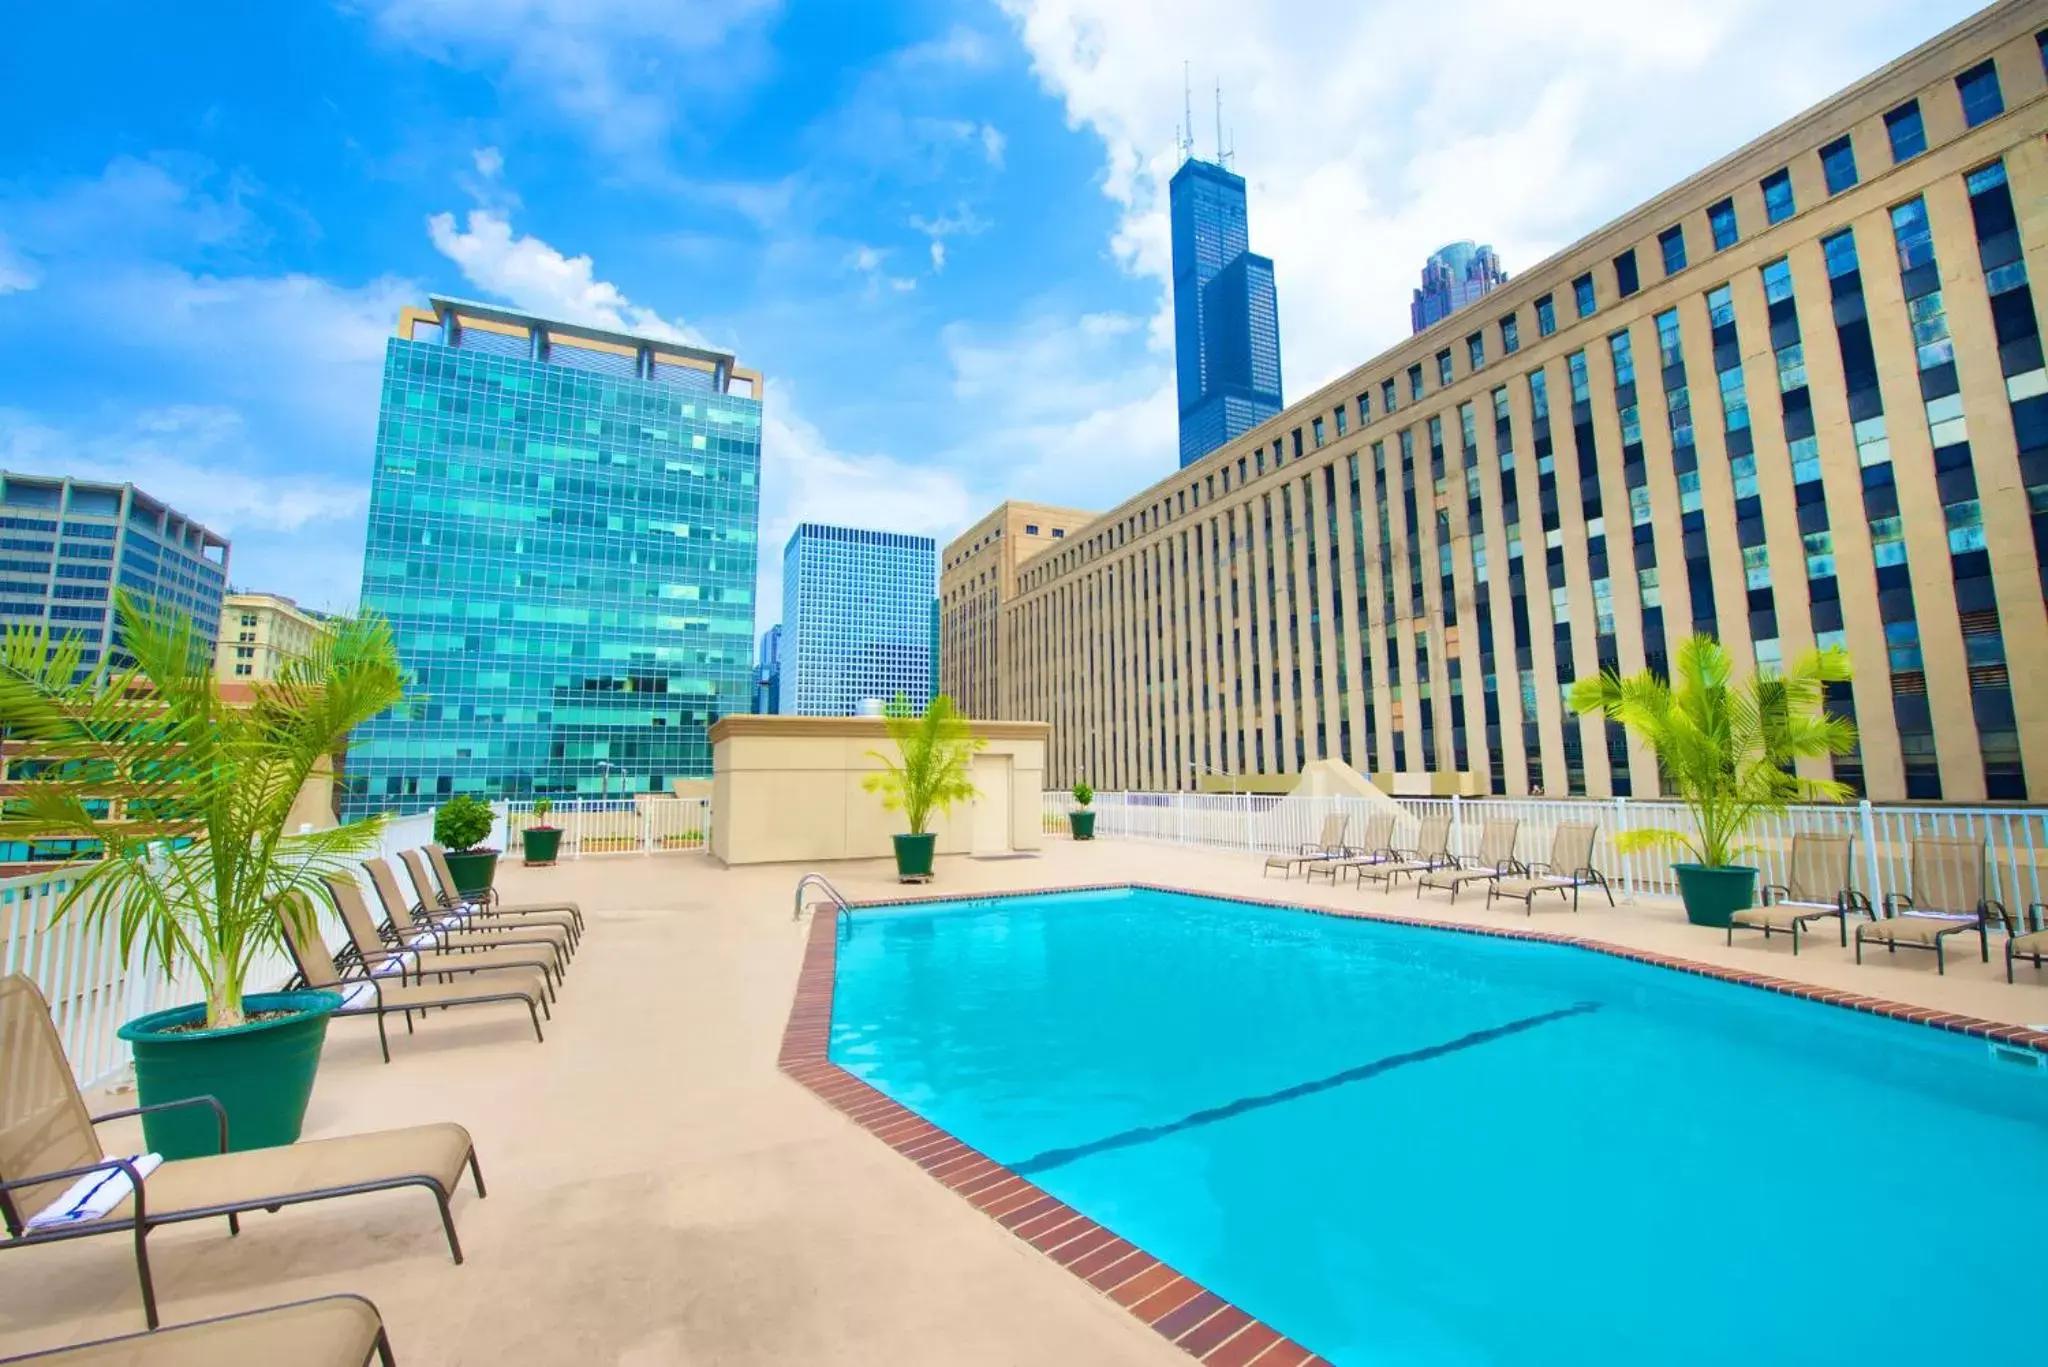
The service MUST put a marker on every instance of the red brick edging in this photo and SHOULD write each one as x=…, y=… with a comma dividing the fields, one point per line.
x=1190, y=1316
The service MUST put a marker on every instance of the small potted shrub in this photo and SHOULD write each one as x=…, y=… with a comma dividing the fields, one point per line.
x=541, y=842
x=1083, y=820
x=936, y=750
x=1726, y=751
x=196, y=868
x=463, y=823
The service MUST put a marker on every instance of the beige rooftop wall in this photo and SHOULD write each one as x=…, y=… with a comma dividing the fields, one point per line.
x=788, y=789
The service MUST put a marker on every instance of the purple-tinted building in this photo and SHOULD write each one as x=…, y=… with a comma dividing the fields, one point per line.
x=1454, y=276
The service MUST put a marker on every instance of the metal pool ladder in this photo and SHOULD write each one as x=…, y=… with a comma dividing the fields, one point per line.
x=822, y=881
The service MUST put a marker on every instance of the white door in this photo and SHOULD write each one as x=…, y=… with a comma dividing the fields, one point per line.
x=992, y=807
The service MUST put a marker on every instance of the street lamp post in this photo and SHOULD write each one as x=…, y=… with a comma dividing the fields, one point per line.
x=604, y=767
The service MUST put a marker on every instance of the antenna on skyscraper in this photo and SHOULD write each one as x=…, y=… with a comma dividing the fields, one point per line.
x=1219, y=125
x=1184, y=136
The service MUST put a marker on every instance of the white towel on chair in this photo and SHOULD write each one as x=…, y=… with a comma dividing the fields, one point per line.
x=93, y=1195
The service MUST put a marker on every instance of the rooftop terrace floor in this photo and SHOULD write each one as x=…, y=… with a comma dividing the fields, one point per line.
x=660, y=1192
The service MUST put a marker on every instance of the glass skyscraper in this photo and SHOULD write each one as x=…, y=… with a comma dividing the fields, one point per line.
x=856, y=620
x=67, y=544
x=1226, y=320
x=1455, y=275
x=562, y=535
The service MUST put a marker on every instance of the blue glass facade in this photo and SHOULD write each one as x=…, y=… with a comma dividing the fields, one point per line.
x=1455, y=275
x=562, y=534
x=1226, y=317
x=856, y=620
x=66, y=545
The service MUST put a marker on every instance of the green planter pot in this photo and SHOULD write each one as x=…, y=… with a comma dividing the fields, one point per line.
x=261, y=1073
x=1083, y=824
x=914, y=856
x=473, y=870
x=1712, y=895
x=541, y=843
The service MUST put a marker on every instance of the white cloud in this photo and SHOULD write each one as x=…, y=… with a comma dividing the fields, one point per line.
x=536, y=277
x=18, y=274
x=992, y=144
x=938, y=256
x=1368, y=143
x=489, y=162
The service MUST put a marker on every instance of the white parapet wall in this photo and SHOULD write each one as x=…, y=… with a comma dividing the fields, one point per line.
x=789, y=789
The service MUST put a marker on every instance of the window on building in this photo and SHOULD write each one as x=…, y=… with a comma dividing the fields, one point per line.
x=1546, y=317
x=2041, y=42
x=1777, y=188
x=1838, y=165
x=1475, y=350
x=1443, y=368
x=1721, y=219
x=1625, y=280
x=1672, y=243
x=1386, y=396
x=1343, y=419
x=1365, y=408
x=1058, y=532
x=1510, y=336
x=1982, y=99
x=1031, y=529
x=1907, y=132
x=1582, y=295
x=1415, y=381
x=1317, y=424
x=248, y=619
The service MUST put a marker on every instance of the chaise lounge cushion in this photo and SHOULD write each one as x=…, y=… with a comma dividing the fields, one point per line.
x=334, y=1331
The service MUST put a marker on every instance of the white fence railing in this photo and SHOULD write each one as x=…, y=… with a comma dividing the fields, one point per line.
x=2017, y=837
x=645, y=825
x=91, y=991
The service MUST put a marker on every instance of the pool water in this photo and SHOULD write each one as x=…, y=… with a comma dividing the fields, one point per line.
x=1402, y=1145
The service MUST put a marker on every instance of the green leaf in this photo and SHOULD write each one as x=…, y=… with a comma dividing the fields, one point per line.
x=934, y=755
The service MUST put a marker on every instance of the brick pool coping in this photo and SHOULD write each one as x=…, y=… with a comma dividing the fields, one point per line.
x=1190, y=1316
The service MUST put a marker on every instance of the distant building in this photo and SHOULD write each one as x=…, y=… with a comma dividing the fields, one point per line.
x=976, y=577
x=856, y=620
x=562, y=536
x=768, y=673
x=67, y=544
x=1455, y=275
x=1226, y=320
x=258, y=633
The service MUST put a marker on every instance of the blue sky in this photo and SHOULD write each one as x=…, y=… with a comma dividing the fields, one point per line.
x=936, y=226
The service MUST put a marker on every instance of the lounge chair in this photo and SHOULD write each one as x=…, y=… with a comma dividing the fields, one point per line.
x=332, y=1331
x=1432, y=851
x=1331, y=846
x=463, y=925
x=1950, y=894
x=48, y=1148
x=1375, y=848
x=485, y=903
x=1816, y=887
x=380, y=992
x=1495, y=859
x=2033, y=944
x=420, y=956
x=1569, y=868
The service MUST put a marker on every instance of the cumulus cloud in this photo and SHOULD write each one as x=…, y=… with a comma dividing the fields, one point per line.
x=18, y=274
x=539, y=278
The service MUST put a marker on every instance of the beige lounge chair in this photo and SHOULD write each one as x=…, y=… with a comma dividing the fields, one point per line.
x=379, y=993
x=426, y=959
x=1569, y=868
x=1376, y=847
x=486, y=903
x=1816, y=887
x=1432, y=851
x=1950, y=893
x=1495, y=859
x=2033, y=944
x=1331, y=846
x=464, y=925
x=48, y=1143
x=333, y=1331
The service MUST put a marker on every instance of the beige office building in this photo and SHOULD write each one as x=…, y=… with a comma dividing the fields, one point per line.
x=1797, y=399
x=258, y=633
x=977, y=575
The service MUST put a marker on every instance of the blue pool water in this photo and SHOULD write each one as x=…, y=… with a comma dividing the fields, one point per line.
x=1398, y=1145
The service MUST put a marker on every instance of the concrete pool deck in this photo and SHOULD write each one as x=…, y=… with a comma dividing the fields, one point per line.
x=662, y=1193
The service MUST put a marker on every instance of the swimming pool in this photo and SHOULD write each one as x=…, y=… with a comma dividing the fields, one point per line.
x=1403, y=1145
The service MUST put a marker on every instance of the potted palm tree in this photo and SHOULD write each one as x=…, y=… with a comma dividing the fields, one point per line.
x=463, y=823
x=1082, y=821
x=936, y=749
x=541, y=842
x=1726, y=750
x=186, y=799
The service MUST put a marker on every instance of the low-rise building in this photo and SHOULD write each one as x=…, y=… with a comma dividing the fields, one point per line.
x=259, y=632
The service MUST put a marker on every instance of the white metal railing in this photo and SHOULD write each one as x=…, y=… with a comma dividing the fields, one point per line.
x=92, y=991
x=643, y=825
x=2017, y=836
